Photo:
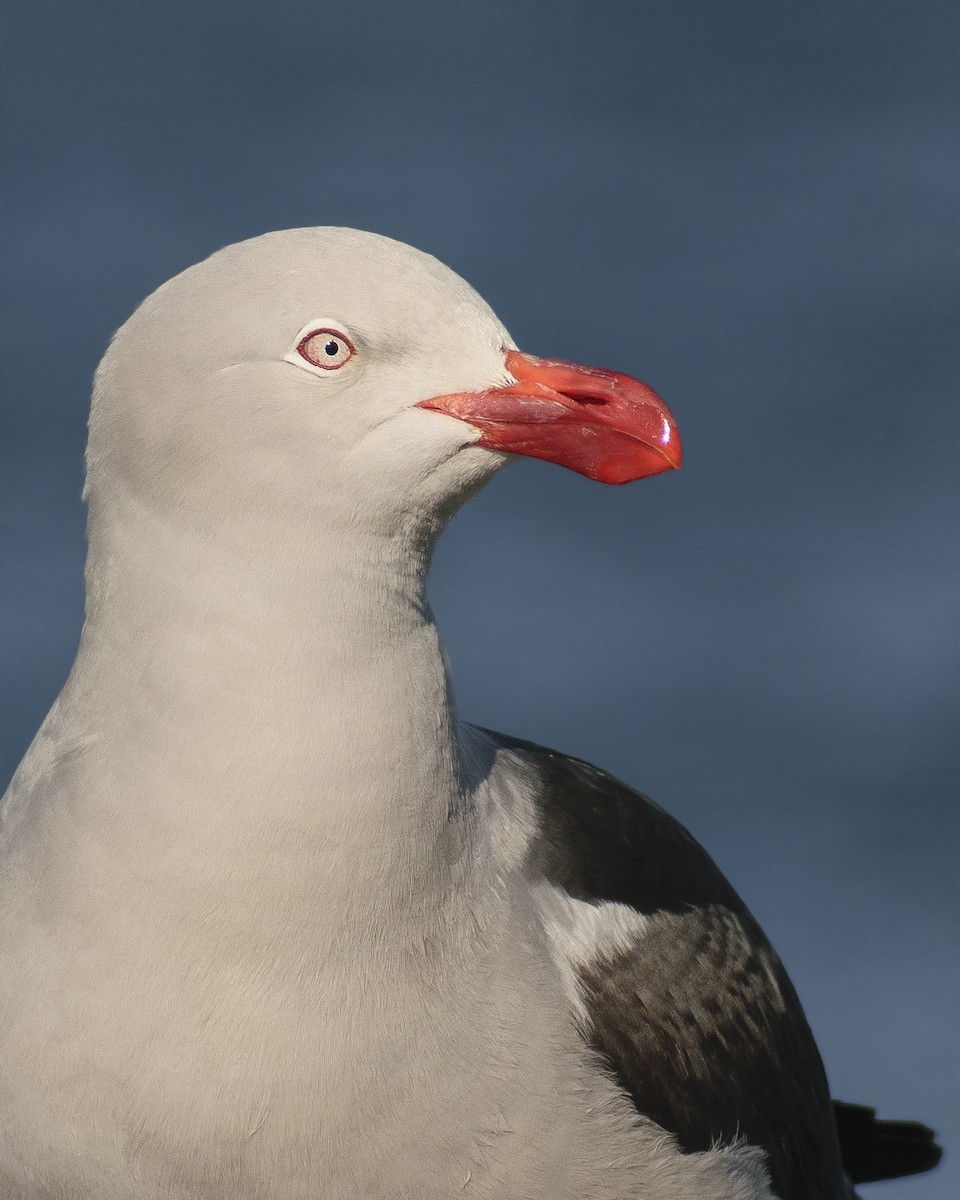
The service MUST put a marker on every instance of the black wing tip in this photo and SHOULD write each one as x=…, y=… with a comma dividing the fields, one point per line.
x=873, y=1150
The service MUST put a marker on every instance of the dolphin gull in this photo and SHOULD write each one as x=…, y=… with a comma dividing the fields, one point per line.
x=274, y=922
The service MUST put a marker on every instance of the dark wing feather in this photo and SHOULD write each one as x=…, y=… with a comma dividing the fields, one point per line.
x=698, y=1019
x=875, y=1149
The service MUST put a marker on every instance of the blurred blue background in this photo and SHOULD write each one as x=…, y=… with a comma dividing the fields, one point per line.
x=751, y=206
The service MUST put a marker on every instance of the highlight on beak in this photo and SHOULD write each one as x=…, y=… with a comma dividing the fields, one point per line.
x=602, y=424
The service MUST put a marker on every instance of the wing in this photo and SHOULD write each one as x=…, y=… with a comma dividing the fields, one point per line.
x=695, y=1015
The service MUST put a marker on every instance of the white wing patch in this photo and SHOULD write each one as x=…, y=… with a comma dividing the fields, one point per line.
x=580, y=933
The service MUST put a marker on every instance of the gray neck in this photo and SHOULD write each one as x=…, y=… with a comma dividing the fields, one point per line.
x=273, y=712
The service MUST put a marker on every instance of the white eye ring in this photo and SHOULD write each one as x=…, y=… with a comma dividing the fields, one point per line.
x=320, y=347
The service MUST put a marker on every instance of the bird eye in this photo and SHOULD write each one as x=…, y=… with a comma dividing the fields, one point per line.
x=325, y=348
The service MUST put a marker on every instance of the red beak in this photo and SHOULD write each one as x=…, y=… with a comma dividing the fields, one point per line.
x=602, y=424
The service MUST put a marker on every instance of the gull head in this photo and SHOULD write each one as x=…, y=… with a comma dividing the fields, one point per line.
x=332, y=374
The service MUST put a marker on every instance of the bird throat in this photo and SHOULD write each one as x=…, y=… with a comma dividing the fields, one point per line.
x=281, y=726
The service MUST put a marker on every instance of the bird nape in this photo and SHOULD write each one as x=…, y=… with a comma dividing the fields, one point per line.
x=275, y=923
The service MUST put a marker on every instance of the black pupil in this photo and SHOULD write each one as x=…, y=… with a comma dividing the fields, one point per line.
x=332, y=348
